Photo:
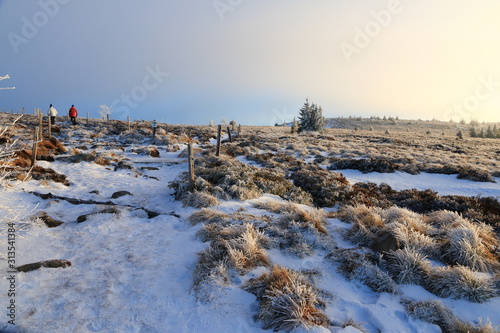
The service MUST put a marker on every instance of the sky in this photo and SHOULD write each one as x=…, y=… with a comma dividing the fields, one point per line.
x=196, y=61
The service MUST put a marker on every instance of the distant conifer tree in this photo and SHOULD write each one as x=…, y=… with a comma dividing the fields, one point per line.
x=489, y=133
x=311, y=117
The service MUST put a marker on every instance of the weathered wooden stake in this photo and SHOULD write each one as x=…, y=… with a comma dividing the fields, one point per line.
x=219, y=130
x=229, y=134
x=23, y=112
x=35, y=147
x=191, y=167
x=239, y=130
x=50, y=127
x=128, y=120
x=40, y=119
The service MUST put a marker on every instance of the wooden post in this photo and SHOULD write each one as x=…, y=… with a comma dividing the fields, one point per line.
x=23, y=112
x=239, y=129
x=229, y=134
x=191, y=167
x=87, y=118
x=40, y=119
x=50, y=127
x=128, y=120
x=35, y=146
x=219, y=130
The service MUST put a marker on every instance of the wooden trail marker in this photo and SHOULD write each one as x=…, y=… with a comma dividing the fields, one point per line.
x=35, y=146
x=219, y=130
x=191, y=167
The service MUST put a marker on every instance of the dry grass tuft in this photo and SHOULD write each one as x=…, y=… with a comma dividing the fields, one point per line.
x=287, y=301
x=408, y=266
x=435, y=312
x=461, y=282
x=361, y=266
x=200, y=200
x=471, y=245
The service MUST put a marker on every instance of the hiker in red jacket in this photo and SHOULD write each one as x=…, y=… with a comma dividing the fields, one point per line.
x=73, y=113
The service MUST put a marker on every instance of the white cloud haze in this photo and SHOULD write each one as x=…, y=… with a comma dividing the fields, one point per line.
x=195, y=61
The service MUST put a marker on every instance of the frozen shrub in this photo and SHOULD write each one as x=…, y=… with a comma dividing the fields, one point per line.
x=367, y=223
x=361, y=266
x=415, y=240
x=234, y=249
x=461, y=282
x=300, y=234
x=209, y=216
x=326, y=188
x=200, y=200
x=287, y=300
x=227, y=178
x=211, y=270
x=375, y=278
x=475, y=174
x=246, y=251
x=407, y=266
x=364, y=165
x=464, y=246
x=435, y=312
x=216, y=232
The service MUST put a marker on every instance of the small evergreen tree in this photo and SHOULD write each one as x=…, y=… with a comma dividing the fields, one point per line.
x=489, y=133
x=295, y=125
x=472, y=132
x=311, y=117
x=482, y=134
x=460, y=136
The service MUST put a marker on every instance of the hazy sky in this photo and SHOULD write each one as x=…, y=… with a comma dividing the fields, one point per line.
x=193, y=61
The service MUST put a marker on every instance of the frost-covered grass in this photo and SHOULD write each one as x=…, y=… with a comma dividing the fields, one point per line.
x=268, y=238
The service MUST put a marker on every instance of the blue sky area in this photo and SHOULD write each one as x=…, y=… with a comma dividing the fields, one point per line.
x=256, y=61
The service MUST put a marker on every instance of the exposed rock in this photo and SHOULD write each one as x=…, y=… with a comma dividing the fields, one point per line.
x=120, y=194
x=49, y=221
x=123, y=165
x=56, y=263
x=385, y=242
x=78, y=158
x=110, y=210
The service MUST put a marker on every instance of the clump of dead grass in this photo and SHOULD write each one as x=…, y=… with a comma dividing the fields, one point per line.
x=461, y=282
x=287, y=300
x=435, y=312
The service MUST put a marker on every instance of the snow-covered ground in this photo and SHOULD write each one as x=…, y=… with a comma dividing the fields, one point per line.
x=131, y=273
x=442, y=184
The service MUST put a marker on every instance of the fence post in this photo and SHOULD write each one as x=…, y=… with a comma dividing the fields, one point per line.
x=23, y=112
x=40, y=120
x=191, y=167
x=128, y=120
x=35, y=146
x=229, y=134
x=219, y=130
x=50, y=127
